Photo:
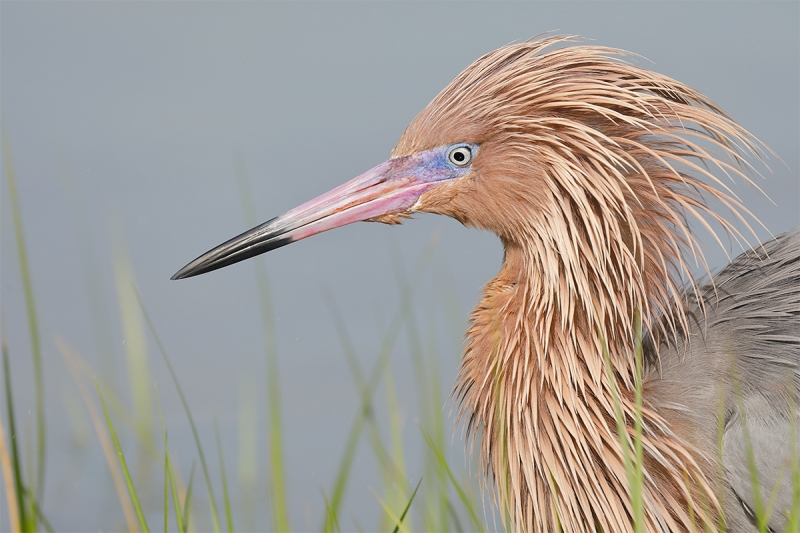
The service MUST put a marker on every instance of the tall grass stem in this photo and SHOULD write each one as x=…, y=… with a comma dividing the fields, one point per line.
x=30, y=305
x=128, y=481
x=225, y=495
x=17, y=511
x=73, y=359
x=211, y=500
x=280, y=508
x=135, y=342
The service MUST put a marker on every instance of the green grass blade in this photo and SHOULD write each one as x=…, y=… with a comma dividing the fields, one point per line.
x=166, y=486
x=452, y=512
x=437, y=498
x=225, y=495
x=166, y=463
x=367, y=390
x=24, y=519
x=399, y=525
x=187, y=502
x=33, y=323
x=74, y=363
x=174, y=489
x=408, y=505
x=113, y=401
x=211, y=501
x=131, y=490
x=398, y=520
x=394, y=473
x=166, y=472
x=367, y=416
x=9, y=486
x=460, y=491
x=30, y=469
x=429, y=398
x=367, y=387
x=427, y=410
x=618, y=415
x=39, y=514
x=637, y=490
x=342, y=474
x=135, y=345
x=280, y=508
x=382, y=455
x=330, y=514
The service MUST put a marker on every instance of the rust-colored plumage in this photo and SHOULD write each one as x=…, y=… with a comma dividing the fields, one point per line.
x=586, y=167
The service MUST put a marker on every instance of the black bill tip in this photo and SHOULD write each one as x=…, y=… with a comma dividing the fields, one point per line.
x=249, y=244
x=216, y=258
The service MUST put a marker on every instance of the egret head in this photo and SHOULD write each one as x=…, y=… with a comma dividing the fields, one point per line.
x=583, y=160
x=585, y=166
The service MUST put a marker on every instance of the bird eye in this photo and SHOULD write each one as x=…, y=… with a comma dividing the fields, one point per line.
x=460, y=156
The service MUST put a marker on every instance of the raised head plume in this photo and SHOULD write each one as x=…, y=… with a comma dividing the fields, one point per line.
x=590, y=166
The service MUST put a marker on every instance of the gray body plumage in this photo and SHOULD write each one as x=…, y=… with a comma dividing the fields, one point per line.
x=732, y=384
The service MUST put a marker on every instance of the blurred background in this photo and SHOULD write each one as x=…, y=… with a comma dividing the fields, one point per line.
x=142, y=134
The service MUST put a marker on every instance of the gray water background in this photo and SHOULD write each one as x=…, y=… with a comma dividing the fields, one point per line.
x=142, y=111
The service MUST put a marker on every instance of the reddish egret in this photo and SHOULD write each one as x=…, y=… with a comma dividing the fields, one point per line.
x=586, y=167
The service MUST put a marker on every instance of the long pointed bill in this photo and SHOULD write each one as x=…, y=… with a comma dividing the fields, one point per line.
x=392, y=187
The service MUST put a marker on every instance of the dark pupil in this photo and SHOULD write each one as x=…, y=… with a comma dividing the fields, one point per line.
x=459, y=156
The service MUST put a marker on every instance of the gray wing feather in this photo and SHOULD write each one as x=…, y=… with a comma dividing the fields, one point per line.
x=740, y=367
x=761, y=297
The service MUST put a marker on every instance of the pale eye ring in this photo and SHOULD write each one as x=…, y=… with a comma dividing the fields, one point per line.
x=460, y=156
